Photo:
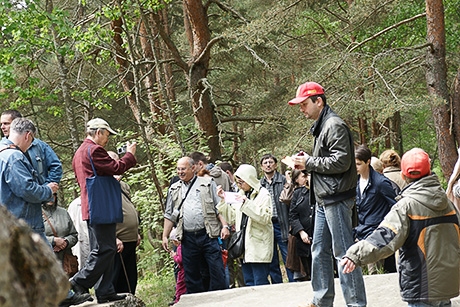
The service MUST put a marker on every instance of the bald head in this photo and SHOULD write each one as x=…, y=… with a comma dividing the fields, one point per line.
x=185, y=168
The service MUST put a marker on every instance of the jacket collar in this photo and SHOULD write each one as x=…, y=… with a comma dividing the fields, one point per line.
x=323, y=116
x=276, y=178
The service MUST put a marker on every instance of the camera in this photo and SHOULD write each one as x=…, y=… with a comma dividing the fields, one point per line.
x=121, y=150
x=175, y=216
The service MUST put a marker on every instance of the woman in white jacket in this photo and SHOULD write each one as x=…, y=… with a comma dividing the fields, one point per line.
x=256, y=204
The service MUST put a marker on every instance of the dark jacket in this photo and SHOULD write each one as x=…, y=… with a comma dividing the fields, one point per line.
x=104, y=165
x=301, y=215
x=373, y=203
x=332, y=163
x=282, y=210
x=423, y=225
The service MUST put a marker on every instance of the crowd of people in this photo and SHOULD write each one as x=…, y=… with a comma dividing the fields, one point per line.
x=30, y=173
x=332, y=214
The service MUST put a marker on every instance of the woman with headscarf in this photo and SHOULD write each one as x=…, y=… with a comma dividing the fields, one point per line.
x=256, y=205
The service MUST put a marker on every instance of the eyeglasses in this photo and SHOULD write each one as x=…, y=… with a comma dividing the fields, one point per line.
x=181, y=169
x=270, y=162
x=240, y=182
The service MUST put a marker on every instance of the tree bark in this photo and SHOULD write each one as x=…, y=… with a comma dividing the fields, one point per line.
x=436, y=79
x=66, y=95
x=200, y=40
x=455, y=118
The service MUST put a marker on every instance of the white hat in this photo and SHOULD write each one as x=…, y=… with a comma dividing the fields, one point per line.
x=99, y=123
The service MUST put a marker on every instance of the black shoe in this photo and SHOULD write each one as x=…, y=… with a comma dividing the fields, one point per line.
x=76, y=299
x=110, y=298
x=78, y=289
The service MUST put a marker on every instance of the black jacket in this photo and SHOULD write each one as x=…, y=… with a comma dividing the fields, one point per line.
x=301, y=217
x=332, y=163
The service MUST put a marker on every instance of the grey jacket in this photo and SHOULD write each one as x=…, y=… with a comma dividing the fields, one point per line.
x=423, y=225
x=332, y=164
x=62, y=224
x=282, y=210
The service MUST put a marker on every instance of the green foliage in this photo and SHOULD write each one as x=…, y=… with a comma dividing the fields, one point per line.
x=156, y=290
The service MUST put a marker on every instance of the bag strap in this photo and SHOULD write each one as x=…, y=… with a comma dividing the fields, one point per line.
x=52, y=228
x=188, y=190
x=11, y=146
x=91, y=160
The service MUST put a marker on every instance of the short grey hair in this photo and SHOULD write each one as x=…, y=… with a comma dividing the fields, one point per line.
x=92, y=131
x=22, y=125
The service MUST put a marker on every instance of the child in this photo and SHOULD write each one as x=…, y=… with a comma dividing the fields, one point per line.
x=423, y=225
x=177, y=256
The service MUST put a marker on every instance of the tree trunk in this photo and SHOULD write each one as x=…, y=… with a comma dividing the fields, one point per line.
x=396, y=133
x=66, y=95
x=199, y=86
x=455, y=119
x=436, y=79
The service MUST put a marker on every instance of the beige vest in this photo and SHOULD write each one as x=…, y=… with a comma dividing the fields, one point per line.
x=211, y=222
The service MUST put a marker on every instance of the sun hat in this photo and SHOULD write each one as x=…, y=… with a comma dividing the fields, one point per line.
x=99, y=123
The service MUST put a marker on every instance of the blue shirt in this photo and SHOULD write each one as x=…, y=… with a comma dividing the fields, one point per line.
x=20, y=191
x=45, y=162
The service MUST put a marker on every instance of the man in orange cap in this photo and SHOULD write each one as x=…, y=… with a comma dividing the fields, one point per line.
x=423, y=225
x=332, y=190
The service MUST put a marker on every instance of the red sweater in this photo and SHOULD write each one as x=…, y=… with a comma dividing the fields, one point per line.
x=104, y=165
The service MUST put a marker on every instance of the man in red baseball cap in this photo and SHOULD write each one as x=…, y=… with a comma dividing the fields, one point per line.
x=423, y=225
x=332, y=190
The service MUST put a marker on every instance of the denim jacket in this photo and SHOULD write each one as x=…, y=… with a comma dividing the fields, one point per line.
x=20, y=191
x=45, y=162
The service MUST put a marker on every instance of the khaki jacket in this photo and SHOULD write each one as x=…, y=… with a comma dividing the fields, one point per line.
x=424, y=226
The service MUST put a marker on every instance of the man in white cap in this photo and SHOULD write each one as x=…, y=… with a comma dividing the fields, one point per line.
x=97, y=270
x=332, y=190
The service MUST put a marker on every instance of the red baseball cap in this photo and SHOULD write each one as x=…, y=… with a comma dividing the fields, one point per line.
x=415, y=160
x=306, y=90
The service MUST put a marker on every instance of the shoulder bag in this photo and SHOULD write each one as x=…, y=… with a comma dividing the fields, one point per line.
x=104, y=198
x=236, y=244
x=69, y=262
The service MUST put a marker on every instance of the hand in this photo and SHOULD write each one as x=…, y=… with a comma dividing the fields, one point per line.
x=243, y=198
x=220, y=192
x=304, y=236
x=299, y=161
x=59, y=244
x=348, y=265
x=138, y=240
x=53, y=186
x=224, y=233
x=166, y=244
x=131, y=147
x=172, y=253
x=287, y=174
x=120, y=246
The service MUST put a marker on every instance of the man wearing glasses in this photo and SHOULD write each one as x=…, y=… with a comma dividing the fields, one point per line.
x=274, y=183
x=191, y=203
x=97, y=270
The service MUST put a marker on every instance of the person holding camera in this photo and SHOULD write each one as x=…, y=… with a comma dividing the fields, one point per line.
x=97, y=270
x=191, y=203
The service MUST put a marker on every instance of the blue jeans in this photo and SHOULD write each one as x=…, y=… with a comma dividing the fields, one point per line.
x=275, y=271
x=446, y=303
x=332, y=237
x=256, y=274
x=201, y=254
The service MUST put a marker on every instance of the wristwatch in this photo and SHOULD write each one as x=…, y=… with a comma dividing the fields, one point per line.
x=228, y=227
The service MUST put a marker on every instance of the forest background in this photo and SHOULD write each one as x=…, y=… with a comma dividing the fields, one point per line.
x=215, y=76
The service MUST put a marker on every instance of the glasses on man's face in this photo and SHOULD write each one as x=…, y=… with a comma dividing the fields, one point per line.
x=268, y=162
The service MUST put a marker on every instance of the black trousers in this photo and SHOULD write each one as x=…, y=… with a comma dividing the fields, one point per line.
x=97, y=271
x=130, y=264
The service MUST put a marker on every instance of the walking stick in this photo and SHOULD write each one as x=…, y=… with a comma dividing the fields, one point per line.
x=126, y=274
